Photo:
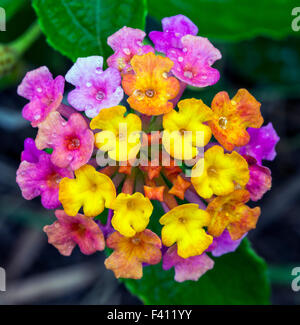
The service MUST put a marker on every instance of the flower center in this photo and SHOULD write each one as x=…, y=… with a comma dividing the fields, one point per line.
x=73, y=143
x=78, y=228
x=223, y=122
x=211, y=171
x=182, y=220
x=54, y=179
x=130, y=204
x=100, y=95
x=135, y=241
x=150, y=93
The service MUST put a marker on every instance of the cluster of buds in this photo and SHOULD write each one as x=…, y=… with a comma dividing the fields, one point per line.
x=103, y=169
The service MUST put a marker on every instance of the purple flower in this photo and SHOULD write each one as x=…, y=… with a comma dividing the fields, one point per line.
x=30, y=153
x=262, y=143
x=95, y=88
x=191, y=268
x=173, y=29
x=224, y=244
x=126, y=43
x=41, y=178
x=192, y=63
x=44, y=93
x=260, y=179
x=72, y=141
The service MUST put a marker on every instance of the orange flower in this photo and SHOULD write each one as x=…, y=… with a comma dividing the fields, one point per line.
x=232, y=118
x=150, y=89
x=180, y=185
x=230, y=212
x=129, y=253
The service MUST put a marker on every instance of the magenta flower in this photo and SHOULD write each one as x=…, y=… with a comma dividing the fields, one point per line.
x=44, y=93
x=260, y=179
x=173, y=29
x=126, y=43
x=191, y=268
x=224, y=244
x=68, y=231
x=262, y=143
x=72, y=142
x=95, y=88
x=41, y=178
x=30, y=153
x=192, y=63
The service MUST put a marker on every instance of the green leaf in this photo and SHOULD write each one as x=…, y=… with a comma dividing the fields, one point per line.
x=80, y=28
x=238, y=278
x=12, y=6
x=232, y=20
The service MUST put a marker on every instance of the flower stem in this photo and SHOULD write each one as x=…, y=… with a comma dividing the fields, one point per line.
x=21, y=44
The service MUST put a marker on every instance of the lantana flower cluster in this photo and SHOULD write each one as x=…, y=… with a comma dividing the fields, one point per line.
x=126, y=142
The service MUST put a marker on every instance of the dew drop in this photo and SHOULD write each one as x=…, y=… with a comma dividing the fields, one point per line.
x=139, y=94
x=99, y=70
x=204, y=77
x=188, y=74
x=126, y=51
x=88, y=84
x=180, y=59
x=39, y=90
x=37, y=116
x=184, y=49
x=165, y=75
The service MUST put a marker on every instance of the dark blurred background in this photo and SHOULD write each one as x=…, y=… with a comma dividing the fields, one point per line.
x=38, y=274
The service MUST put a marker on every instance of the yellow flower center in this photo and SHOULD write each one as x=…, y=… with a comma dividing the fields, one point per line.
x=223, y=122
x=182, y=220
x=211, y=171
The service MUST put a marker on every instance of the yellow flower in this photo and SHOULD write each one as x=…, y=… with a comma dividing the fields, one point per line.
x=179, y=143
x=131, y=213
x=90, y=189
x=120, y=135
x=184, y=225
x=218, y=173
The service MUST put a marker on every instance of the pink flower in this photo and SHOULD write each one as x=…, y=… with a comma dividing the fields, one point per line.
x=41, y=178
x=260, y=179
x=72, y=141
x=95, y=88
x=224, y=244
x=44, y=93
x=30, y=153
x=126, y=43
x=262, y=143
x=68, y=231
x=192, y=63
x=173, y=29
x=191, y=268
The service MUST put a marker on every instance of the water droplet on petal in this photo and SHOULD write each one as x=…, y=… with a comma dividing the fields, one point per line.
x=88, y=84
x=139, y=43
x=204, y=77
x=165, y=75
x=139, y=94
x=184, y=49
x=180, y=59
x=37, y=116
x=99, y=70
x=126, y=51
x=177, y=34
x=188, y=74
x=39, y=89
